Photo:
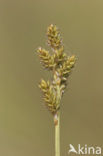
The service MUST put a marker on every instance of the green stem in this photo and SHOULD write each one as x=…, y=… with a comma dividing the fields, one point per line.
x=57, y=134
x=57, y=124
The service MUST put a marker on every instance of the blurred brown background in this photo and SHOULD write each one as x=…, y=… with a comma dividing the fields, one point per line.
x=26, y=127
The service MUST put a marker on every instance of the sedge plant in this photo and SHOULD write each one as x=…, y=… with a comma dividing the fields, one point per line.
x=60, y=64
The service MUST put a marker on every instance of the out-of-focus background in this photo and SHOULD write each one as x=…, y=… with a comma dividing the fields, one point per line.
x=26, y=127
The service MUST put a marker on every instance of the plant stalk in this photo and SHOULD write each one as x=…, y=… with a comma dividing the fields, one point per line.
x=57, y=134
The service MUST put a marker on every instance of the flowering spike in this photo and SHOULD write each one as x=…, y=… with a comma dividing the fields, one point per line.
x=60, y=64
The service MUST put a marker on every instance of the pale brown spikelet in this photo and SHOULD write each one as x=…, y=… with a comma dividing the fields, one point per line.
x=66, y=67
x=46, y=59
x=65, y=70
x=54, y=38
x=60, y=55
x=49, y=96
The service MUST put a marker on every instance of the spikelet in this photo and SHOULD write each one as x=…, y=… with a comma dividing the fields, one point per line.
x=49, y=96
x=66, y=67
x=59, y=55
x=46, y=59
x=55, y=42
x=54, y=38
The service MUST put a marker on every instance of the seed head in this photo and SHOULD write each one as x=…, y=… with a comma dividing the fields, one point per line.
x=61, y=66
